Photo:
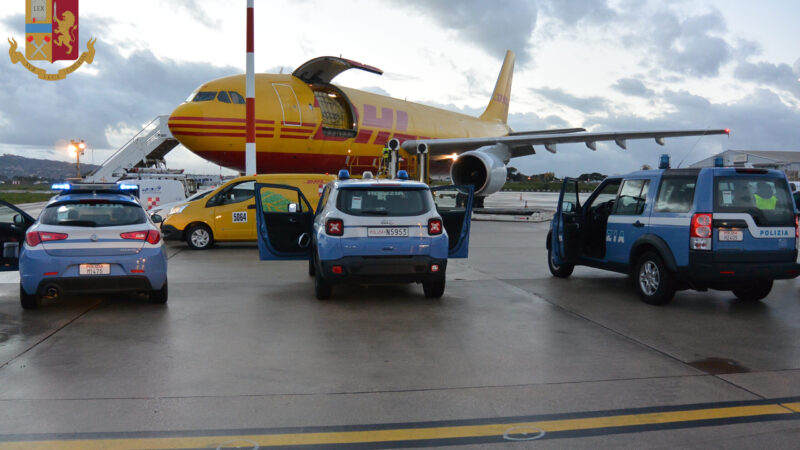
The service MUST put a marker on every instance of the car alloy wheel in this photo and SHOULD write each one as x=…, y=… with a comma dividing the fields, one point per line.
x=200, y=237
x=649, y=278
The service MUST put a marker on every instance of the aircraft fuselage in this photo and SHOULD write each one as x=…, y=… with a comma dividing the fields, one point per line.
x=302, y=128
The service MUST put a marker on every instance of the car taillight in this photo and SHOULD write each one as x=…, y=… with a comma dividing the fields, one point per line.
x=434, y=226
x=151, y=236
x=35, y=238
x=700, y=232
x=796, y=227
x=334, y=227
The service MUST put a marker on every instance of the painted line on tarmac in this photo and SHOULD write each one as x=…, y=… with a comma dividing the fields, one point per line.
x=426, y=434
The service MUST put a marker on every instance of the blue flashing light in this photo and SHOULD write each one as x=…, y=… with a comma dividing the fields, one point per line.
x=719, y=161
x=344, y=174
x=664, y=163
x=402, y=175
x=128, y=187
x=61, y=187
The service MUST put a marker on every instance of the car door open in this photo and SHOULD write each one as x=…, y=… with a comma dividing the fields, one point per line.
x=284, y=219
x=13, y=223
x=454, y=204
x=566, y=236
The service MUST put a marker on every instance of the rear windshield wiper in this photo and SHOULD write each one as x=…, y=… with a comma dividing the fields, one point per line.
x=375, y=212
x=78, y=223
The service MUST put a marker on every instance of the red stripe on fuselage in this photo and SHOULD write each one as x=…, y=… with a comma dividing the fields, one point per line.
x=208, y=134
x=213, y=127
x=216, y=119
x=275, y=162
x=363, y=136
x=383, y=138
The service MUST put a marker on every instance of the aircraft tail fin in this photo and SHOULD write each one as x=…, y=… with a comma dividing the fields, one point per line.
x=497, y=110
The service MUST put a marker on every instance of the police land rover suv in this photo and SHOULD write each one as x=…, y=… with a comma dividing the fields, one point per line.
x=718, y=228
x=367, y=231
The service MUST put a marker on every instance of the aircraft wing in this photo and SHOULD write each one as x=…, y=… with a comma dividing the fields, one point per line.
x=523, y=144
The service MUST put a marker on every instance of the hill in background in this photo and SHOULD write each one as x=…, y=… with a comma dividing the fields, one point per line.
x=13, y=166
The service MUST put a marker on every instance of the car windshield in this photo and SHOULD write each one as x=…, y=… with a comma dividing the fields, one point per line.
x=767, y=200
x=384, y=201
x=93, y=213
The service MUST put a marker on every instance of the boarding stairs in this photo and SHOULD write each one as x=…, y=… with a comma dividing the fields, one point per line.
x=146, y=149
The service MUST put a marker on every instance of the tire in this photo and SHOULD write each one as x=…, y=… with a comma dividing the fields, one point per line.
x=654, y=283
x=199, y=237
x=322, y=288
x=560, y=271
x=29, y=301
x=755, y=292
x=435, y=287
x=160, y=296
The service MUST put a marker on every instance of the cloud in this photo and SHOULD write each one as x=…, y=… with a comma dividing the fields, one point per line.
x=561, y=97
x=780, y=76
x=574, y=11
x=114, y=92
x=494, y=26
x=633, y=87
x=198, y=13
x=688, y=45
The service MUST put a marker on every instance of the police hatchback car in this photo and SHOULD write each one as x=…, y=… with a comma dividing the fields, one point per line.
x=368, y=231
x=718, y=228
x=92, y=238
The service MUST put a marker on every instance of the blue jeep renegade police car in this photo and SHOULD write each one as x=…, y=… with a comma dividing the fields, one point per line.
x=367, y=231
x=718, y=228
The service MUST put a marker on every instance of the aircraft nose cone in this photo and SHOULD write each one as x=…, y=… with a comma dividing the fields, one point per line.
x=186, y=111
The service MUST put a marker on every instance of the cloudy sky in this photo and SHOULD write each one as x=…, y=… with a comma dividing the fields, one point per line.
x=606, y=65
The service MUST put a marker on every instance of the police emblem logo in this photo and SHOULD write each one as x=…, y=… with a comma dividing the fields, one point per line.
x=51, y=34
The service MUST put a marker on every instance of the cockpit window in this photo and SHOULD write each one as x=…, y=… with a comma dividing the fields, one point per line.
x=223, y=97
x=204, y=96
x=237, y=98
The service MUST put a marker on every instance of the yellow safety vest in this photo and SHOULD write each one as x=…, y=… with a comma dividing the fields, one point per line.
x=766, y=203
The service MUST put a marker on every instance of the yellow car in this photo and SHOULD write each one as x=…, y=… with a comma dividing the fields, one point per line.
x=228, y=213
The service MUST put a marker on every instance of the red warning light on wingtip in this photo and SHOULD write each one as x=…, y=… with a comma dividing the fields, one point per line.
x=727, y=131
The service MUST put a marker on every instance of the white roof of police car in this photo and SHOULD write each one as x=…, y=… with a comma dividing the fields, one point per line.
x=374, y=182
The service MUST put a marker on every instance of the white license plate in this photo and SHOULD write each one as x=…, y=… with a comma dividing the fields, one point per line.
x=388, y=232
x=95, y=269
x=730, y=235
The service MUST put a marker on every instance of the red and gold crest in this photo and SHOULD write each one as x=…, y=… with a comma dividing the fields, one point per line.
x=51, y=34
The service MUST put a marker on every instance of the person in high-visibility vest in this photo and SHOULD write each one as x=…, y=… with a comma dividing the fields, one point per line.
x=765, y=197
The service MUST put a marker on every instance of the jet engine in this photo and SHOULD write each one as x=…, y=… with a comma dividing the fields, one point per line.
x=484, y=168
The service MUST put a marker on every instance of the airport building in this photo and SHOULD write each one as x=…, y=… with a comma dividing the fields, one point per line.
x=788, y=161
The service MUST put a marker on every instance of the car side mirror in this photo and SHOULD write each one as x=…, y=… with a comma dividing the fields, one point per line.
x=304, y=240
x=292, y=207
x=156, y=218
x=19, y=220
x=567, y=207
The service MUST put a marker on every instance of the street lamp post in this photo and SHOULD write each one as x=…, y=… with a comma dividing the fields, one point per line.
x=77, y=147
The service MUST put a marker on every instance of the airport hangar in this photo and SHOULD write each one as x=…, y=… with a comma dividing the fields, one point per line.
x=788, y=161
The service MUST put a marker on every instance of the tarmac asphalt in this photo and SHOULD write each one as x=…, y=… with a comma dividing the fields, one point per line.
x=243, y=354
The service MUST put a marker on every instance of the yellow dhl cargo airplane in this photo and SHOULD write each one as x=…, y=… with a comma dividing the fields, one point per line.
x=306, y=124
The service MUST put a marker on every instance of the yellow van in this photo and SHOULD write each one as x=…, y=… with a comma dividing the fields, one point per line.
x=228, y=213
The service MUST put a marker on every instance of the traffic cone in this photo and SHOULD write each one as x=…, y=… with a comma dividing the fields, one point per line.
x=526, y=203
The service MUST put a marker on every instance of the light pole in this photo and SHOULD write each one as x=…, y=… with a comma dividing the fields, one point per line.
x=77, y=147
